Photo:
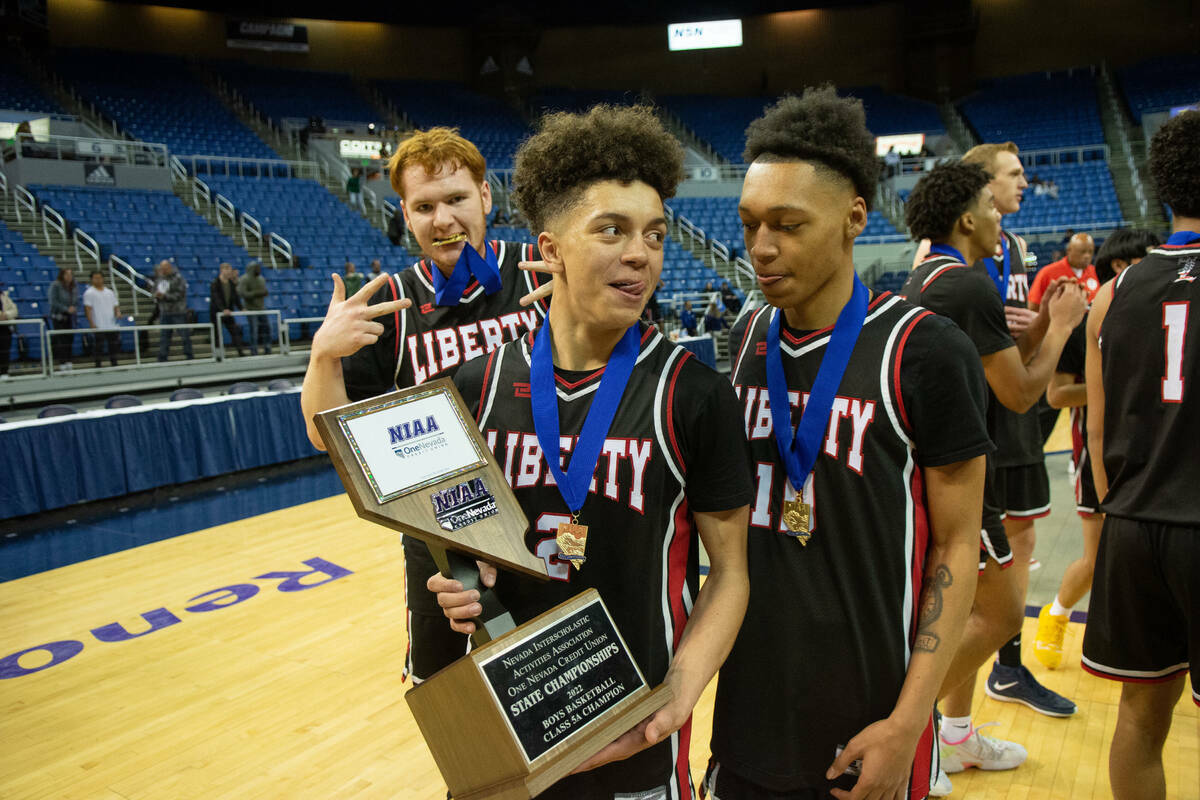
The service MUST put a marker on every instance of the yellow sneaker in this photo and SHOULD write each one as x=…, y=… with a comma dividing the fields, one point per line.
x=1048, y=644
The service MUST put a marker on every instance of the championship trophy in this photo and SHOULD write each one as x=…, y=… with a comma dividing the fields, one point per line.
x=529, y=703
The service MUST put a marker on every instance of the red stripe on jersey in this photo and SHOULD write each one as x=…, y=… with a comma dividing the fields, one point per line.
x=896, y=368
x=395, y=295
x=671, y=412
x=940, y=274
x=918, y=786
x=875, y=301
x=425, y=268
x=677, y=560
x=920, y=546
x=487, y=378
x=682, y=771
x=741, y=351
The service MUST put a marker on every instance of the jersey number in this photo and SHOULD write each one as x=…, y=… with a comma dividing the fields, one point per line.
x=1175, y=318
x=547, y=549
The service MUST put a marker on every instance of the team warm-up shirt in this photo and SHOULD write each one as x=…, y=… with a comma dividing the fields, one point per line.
x=675, y=447
x=1150, y=355
x=430, y=341
x=1062, y=269
x=824, y=649
x=1018, y=437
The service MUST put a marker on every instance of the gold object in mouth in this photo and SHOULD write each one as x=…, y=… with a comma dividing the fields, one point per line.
x=458, y=237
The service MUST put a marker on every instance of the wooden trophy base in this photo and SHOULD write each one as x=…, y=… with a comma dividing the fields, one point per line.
x=513, y=717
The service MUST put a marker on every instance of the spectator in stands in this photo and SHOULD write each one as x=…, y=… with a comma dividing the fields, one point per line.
x=688, y=319
x=354, y=189
x=8, y=311
x=395, y=229
x=170, y=291
x=729, y=297
x=63, y=295
x=1067, y=236
x=223, y=299
x=100, y=305
x=713, y=321
x=1039, y=185
x=1051, y=189
x=376, y=269
x=709, y=288
x=651, y=312
x=892, y=160
x=253, y=290
x=352, y=278
x=1077, y=265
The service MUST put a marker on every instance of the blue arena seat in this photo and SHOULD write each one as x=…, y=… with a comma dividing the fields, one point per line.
x=122, y=401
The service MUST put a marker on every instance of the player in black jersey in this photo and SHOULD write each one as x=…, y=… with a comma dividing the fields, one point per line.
x=855, y=609
x=1143, y=379
x=953, y=206
x=673, y=461
x=1020, y=487
x=1067, y=389
x=430, y=319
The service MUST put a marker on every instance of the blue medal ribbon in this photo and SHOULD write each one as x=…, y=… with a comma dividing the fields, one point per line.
x=947, y=250
x=799, y=453
x=1183, y=237
x=1001, y=281
x=544, y=398
x=486, y=270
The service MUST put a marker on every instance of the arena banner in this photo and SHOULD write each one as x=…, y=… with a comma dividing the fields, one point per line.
x=248, y=34
x=99, y=175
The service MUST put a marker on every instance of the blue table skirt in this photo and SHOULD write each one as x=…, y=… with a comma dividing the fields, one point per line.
x=56, y=462
x=702, y=347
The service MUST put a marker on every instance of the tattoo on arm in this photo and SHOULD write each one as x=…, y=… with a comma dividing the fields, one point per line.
x=931, y=607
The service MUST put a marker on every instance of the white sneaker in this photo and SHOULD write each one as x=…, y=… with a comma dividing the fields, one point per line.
x=942, y=787
x=981, y=751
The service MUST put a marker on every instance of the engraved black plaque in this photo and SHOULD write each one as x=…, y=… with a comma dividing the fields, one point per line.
x=554, y=681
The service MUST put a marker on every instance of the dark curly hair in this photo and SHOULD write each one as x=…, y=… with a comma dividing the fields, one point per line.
x=570, y=152
x=1175, y=163
x=941, y=197
x=1125, y=244
x=821, y=128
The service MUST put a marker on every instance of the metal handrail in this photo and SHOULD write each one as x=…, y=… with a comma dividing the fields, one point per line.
x=200, y=191
x=41, y=337
x=117, y=151
x=88, y=245
x=177, y=169
x=283, y=247
x=24, y=199
x=281, y=337
x=121, y=271
x=225, y=207
x=252, y=225
x=285, y=330
x=743, y=271
x=52, y=219
x=232, y=165
x=387, y=210
x=3, y=191
x=48, y=352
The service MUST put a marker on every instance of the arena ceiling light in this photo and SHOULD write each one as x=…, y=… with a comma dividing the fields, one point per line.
x=704, y=35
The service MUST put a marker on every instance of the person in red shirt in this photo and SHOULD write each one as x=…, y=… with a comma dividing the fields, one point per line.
x=1077, y=264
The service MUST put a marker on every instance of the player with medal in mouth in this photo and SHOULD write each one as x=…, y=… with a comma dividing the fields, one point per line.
x=865, y=417
x=460, y=301
x=623, y=449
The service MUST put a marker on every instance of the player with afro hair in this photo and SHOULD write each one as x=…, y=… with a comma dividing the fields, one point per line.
x=941, y=197
x=1175, y=163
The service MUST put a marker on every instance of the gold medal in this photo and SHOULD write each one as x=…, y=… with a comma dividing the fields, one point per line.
x=797, y=515
x=572, y=541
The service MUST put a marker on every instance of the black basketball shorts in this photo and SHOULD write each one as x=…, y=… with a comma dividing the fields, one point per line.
x=431, y=643
x=1023, y=492
x=1143, y=620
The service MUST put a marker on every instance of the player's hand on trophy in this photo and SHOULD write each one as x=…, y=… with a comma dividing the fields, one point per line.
x=882, y=755
x=547, y=288
x=350, y=321
x=650, y=731
x=461, y=606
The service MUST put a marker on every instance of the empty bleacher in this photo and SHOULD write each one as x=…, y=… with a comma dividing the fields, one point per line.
x=1038, y=111
x=159, y=99
x=283, y=93
x=17, y=93
x=1160, y=84
x=495, y=128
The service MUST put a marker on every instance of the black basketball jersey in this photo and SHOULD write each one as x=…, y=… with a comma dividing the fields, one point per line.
x=675, y=446
x=1018, y=437
x=968, y=297
x=430, y=341
x=825, y=645
x=1150, y=355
